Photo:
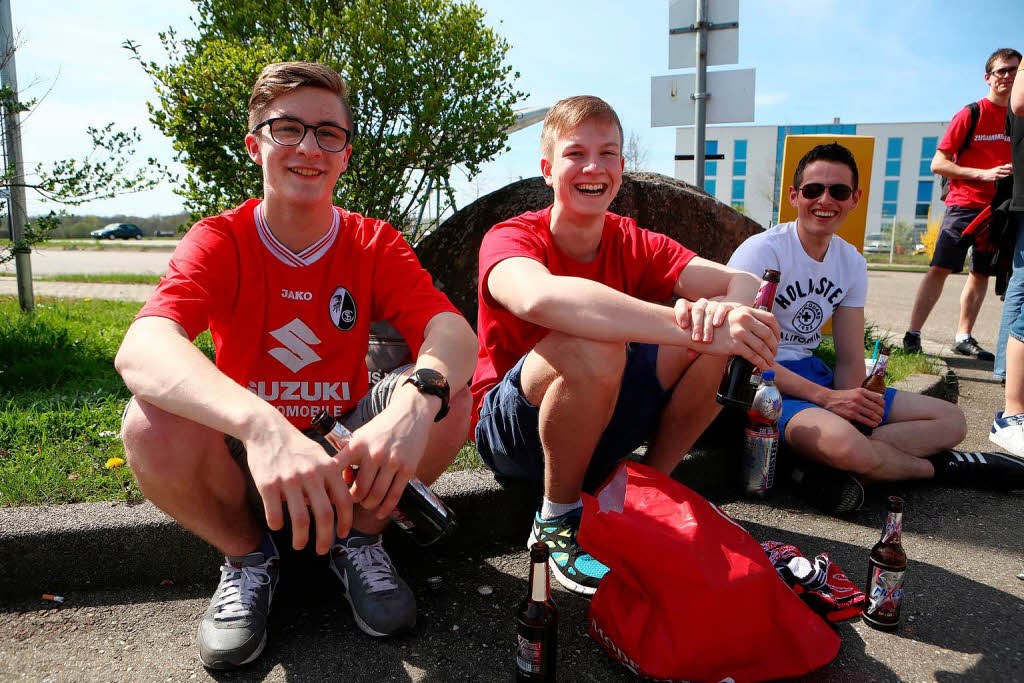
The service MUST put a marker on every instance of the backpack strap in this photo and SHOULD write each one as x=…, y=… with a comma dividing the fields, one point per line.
x=975, y=112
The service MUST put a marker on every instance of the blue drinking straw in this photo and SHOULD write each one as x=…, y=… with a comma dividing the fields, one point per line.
x=874, y=356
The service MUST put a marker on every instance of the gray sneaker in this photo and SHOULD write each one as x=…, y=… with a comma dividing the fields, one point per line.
x=233, y=631
x=382, y=602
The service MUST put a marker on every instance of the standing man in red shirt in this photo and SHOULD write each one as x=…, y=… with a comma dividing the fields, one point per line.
x=972, y=164
x=288, y=285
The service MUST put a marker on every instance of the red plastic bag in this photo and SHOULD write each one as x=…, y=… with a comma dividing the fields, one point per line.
x=691, y=595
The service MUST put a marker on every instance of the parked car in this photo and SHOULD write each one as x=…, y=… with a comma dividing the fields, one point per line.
x=125, y=231
x=920, y=249
x=875, y=243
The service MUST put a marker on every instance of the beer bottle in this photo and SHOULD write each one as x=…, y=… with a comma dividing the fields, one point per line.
x=740, y=379
x=537, y=623
x=875, y=381
x=886, y=567
x=761, y=438
x=420, y=512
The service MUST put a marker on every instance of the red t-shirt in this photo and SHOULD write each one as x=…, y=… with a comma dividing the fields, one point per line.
x=989, y=147
x=637, y=262
x=294, y=328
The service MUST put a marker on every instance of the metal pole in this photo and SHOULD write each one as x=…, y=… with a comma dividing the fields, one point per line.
x=700, y=97
x=16, y=184
x=892, y=238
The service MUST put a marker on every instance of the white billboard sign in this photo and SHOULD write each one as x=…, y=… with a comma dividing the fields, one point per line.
x=730, y=98
x=723, y=44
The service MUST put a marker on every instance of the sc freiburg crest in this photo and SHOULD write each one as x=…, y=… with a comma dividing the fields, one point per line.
x=343, y=309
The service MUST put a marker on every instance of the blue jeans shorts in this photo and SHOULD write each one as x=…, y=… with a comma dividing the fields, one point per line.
x=508, y=437
x=815, y=370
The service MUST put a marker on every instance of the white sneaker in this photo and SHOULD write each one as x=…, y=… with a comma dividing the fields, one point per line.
x=1008, y=433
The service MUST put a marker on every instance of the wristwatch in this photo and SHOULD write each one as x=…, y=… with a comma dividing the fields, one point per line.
x=433, y=383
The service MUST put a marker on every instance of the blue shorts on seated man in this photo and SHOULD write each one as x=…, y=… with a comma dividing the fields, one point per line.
x=814, y=369
x=508, y=436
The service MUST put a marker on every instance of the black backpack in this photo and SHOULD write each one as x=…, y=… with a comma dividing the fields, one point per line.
x=975, y=109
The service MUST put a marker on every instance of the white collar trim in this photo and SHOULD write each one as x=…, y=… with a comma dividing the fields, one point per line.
x=307, y=256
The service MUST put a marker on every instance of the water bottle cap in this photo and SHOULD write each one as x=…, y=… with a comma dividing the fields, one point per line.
x=768, y=375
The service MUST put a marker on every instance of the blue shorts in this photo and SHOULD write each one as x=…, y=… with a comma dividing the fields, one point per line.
x=508, y=438
x=815, y=370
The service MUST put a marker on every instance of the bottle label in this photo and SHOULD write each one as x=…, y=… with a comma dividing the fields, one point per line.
x=885, y=594
x=760, y=450
x=403, y=522
x=528, y=655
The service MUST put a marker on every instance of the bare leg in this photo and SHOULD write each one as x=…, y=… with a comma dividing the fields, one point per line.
x=691, y=407
x=1014, y=377
x=446, y=438
x=575, y=382
x=185, y=469
x=928, y=293
x=971, y=298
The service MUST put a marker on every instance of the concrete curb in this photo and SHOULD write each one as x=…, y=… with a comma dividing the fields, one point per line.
x=63, y=548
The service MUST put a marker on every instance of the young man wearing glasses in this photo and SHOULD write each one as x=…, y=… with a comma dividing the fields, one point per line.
x=288, y=285
x=825, y=277
x=972, y=160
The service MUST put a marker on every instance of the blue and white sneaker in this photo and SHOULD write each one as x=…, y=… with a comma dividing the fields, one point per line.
x=572, y=566
x=1008, y=433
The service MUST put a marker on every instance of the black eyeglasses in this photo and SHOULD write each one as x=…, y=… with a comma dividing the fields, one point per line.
x=290, y=132
x=838, y=192
x=1004, y=72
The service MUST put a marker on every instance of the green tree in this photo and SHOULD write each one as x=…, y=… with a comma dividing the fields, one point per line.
x=427, y=84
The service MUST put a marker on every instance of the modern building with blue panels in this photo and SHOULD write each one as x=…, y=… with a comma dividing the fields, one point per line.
x=902, y=184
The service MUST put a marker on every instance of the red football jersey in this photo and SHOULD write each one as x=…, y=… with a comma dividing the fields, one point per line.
x=990, y=147
x=294, y=328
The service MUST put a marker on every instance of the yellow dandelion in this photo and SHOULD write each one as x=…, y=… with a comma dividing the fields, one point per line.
x=114, y=462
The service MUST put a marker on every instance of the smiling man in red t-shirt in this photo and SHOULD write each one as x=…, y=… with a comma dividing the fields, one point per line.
x=972, y=167
x=576, y=365
x=288, y=286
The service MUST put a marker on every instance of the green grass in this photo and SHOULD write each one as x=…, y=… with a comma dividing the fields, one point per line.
x=61, y=401
x=99, y=278
x=901, y=365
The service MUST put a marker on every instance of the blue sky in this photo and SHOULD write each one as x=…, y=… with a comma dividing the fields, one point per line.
x=908, y=60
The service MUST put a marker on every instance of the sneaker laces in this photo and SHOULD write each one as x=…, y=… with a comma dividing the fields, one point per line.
x=238, y=590
x=373, y=565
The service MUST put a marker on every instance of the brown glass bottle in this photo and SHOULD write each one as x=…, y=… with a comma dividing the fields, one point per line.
x=419, y=513
x=740, y=381
x=875, y=381
x=537, y=623
x=886, y=567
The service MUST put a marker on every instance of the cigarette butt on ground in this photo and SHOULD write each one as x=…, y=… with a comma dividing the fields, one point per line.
x=53, y=598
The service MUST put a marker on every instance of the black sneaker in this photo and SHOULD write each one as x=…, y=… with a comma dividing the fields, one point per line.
x=969, y=347
x=826, y=488
x=912, y=343
x=980, y=470
x=571, y=565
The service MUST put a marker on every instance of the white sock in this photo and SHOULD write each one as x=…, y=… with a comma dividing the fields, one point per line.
x=549, y=510
x=961, y=338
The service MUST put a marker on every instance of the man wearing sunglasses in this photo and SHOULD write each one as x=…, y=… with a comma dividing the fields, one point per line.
x=972, y=160
x=288, y=285
x=823, y=277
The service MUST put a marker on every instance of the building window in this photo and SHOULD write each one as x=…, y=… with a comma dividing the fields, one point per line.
x=888, y=209
x=924, y=191
x=892, y=167
x=892, y=190
x=711, y=146
x=739, y=149
x=710, y=168
x=895, y=148
x=928, y=147
x=739, y=168
x=922, y=210
x=738, y=190
x=709, y=187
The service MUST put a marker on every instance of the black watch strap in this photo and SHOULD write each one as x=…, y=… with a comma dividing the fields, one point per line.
x=433, y=383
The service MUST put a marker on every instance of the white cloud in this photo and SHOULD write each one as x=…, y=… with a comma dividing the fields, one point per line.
x=769, y=99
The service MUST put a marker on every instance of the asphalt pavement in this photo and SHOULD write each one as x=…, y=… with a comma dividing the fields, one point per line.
x=963, y=613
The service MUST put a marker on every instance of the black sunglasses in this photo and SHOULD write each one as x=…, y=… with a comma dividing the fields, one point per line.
x=838, y=192
x=1004, y=72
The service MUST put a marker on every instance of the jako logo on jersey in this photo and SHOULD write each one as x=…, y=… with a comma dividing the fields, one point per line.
x=296, y=337
x=296, y=295
x=343, y=309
